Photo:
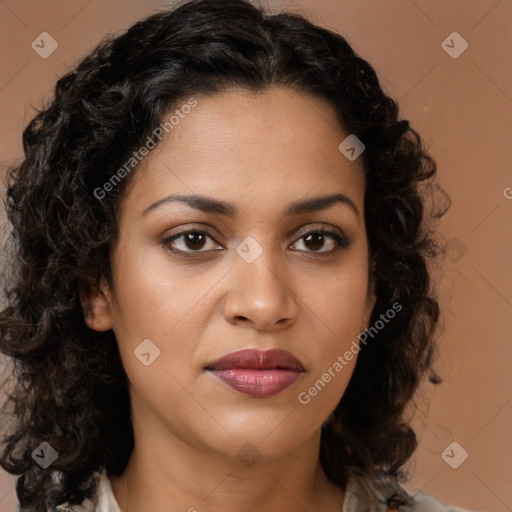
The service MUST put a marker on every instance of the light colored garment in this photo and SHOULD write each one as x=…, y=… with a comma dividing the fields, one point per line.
x=360, y=496
x=104, y=501
x=365, y=495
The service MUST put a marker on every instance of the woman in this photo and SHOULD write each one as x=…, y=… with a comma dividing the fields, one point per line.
x=220, y=296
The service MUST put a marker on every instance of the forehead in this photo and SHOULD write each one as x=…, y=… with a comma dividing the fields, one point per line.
x=237, y=145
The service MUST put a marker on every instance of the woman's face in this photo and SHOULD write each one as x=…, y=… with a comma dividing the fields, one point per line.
x=257, y=276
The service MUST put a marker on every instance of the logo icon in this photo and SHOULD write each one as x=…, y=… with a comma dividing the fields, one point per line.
x=454, y=45
x=249, y=455
x=147, y=352
x=44, y=455
x=44, y=45
x=455, y=249
x=454, y=455
x=351, y=147
x=249, y=250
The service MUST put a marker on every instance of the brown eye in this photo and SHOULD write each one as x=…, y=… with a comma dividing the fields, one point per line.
x=189, y=241
x=194, y=240
x=317, y=239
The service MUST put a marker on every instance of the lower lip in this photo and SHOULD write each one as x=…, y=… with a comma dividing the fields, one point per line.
x=258, y=383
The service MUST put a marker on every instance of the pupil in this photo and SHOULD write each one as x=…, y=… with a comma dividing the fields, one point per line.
x=192, y=240
x=318, y=238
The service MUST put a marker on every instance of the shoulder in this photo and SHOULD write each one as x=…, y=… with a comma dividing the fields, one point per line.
x=366, y=494
x=426, y=503
x=106, y=499
x=363, y=494
x=102, y=501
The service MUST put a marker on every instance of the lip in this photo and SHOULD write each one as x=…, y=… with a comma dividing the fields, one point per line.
x=256, y=373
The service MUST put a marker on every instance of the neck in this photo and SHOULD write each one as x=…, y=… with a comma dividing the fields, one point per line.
x=181, y=477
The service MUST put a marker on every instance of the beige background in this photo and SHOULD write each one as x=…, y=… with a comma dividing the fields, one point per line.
x=462, y=107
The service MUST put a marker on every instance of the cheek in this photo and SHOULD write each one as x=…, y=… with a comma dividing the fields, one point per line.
x=152, y=295
x=332, y=363
x=147, y=310
x=340, y=299
x=338, y=309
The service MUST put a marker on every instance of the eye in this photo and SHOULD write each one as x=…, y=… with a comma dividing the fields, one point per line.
x=194, y=240
x=316, y=239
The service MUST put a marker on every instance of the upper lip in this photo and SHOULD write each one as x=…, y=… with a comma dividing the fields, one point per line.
x=257, y=359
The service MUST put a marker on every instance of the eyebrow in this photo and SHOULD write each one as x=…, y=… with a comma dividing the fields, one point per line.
x=215, y=206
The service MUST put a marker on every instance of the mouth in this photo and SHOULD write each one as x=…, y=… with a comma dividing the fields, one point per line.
x=256, y=373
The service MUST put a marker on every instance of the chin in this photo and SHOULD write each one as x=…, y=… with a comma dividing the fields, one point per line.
x=272, y=439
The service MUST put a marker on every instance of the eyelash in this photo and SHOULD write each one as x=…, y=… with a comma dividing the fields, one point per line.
x=341, y=241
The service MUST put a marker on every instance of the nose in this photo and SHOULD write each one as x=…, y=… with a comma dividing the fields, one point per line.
x=260, y=296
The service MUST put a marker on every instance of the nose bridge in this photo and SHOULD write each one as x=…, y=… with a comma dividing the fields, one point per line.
x=260, y=292
x=258, y=264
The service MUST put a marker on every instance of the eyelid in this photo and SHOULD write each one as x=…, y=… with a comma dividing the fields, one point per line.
x=187, y=228
x=176, y=236
x=304, y=230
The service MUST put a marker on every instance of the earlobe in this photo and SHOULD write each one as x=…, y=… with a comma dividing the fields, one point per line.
x=370, y=304
x=97, y=308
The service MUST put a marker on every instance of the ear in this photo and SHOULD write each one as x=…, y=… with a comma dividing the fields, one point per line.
x=371, y=299
x=97, y=307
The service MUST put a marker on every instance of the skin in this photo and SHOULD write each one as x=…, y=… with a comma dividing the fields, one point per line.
x=260, y=152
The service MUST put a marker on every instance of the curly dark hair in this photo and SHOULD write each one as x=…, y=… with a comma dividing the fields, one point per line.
x=68, y=384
